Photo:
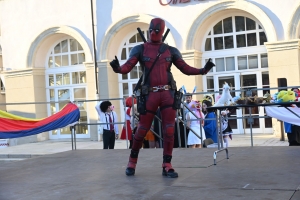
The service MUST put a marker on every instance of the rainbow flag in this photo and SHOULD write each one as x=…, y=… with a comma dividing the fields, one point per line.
x=13, y=126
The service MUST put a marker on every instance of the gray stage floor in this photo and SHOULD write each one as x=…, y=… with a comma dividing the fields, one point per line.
x=249, y=173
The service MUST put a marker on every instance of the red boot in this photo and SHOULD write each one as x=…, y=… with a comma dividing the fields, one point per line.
x=168, y=170
x=130, y=170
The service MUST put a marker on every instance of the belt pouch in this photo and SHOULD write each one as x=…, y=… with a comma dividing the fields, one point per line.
x=141, y=104
x=177, y=100
x=145, y=90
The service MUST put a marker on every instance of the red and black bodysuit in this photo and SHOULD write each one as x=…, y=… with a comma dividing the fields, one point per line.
x=161, y=93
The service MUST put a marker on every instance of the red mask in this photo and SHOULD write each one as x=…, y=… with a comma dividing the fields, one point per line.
x=156, y=30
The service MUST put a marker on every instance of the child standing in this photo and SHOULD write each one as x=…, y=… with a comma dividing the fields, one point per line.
x=225, y=127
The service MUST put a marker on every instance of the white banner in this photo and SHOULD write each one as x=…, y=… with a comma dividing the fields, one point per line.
x=283, y=114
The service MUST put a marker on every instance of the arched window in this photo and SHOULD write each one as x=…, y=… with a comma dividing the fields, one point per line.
x=66, y=81
x=236, y=44
x=66, y=53
x=129, y=80
x=235, y=32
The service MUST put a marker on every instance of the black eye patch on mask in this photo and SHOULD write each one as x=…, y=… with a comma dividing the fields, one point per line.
x=156, y=28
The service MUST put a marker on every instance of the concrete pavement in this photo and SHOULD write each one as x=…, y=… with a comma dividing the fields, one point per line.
x=56, y=146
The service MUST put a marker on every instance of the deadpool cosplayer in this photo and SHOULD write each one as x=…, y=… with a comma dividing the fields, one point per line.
x=160, y=87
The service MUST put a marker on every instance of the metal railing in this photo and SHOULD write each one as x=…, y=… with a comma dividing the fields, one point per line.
x=178, y=120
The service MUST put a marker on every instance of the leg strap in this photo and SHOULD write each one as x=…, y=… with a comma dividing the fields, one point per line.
x=168, y=170
x=130, y=170
x=167, y=163
x=133, y=159
x=167, y=167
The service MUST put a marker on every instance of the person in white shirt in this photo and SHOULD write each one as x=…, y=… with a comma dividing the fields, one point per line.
x=196, y=126
x=110, y=129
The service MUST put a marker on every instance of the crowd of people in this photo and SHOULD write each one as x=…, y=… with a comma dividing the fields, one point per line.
x=200, y=124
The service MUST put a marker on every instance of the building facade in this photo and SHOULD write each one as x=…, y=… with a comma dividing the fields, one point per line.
x=47, y=52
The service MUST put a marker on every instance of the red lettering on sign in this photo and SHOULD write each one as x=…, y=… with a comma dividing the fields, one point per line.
x=174, y=2
x=161, y=3
x=185, y=1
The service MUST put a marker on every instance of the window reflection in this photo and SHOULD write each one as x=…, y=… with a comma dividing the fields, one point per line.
x=58, y=79
x=81, y=58
x=57, y=61
x=134, y=73
x=50, y=62
x=218, y=43
x=208, y=44
x=65, y=60
x=262, y=38
x=51, y=80
x=230, y=64
x=264, y=60
x=253, y=61
x=251, y=39
x=228, y=42
x=242, y=62
x=73, y=45
x=64, y=46
x=66, y=79
x=125, y=89
x=218, y=28
x=210, y=82
x=227, y=25
x=220, y=66
x=250, y=24
x=123, y=54
x=239, y=24
x=57, y=48
x=241, y=40
x=74, y=60
x=132, y=39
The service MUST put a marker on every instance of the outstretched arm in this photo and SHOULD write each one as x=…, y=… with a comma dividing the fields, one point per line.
x=185, y=68
x=130, y=63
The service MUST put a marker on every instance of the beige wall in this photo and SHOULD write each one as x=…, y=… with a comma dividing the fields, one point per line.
x=283, y=60
x=25, y=86
x=2, y=101
x=91, y=95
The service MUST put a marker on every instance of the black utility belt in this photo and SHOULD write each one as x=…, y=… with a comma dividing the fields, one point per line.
x=146, y=89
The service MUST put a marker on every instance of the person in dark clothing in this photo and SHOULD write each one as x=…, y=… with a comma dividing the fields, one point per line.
x=293, y=134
